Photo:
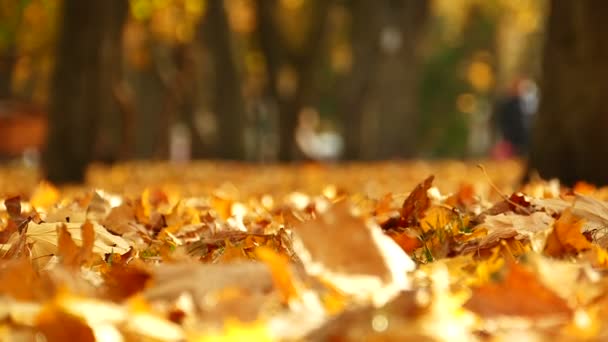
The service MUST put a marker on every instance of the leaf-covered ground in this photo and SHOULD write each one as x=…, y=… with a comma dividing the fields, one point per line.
x=440, y=251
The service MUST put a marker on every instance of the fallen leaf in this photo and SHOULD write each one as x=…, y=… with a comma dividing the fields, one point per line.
x=368, y=264
x=280, y=270
x=584, y=188
x=416, y=203
x=57, y=325
x=439, y=217
x=119, y=219
x=520, y=293
x=13, y=207
x=72, y=255
x=19, y=280
x=567, y=236
x=535, y=227
x=407, y=240
x=45, y=195
x=44, y=235
x=123, y=281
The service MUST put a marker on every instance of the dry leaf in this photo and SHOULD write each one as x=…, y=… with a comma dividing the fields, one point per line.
x=368, y=263
x=119, y=219
x=105, y=243
x=416, y=203
x=57, y=325
x=72, y=255
x=123, y=281
x=280, y=270
x=407, y=240
x=19, y=280
x=44, y=196
x=535, y=227
x=520, y=293
x=567, y=236
x=439, y=217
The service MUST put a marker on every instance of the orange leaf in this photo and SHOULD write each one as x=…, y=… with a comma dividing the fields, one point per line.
x=57, y=325
x=279, y=268
x=520, y=293
x=567, y=237
x=416, y=203
x=584, y=188
x=405, y=240
x=45, y=195
x=72, y=255
x=66, y=247
x=88, y=240
x=19, y=280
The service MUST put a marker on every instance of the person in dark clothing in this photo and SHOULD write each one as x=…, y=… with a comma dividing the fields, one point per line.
x=512, y=118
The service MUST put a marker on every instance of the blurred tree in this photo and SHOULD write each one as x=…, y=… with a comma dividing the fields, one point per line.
x=447, y=79
x=88, y=62
x=11, y=13
x=287, y=64
x=366, y=26
x=569, y=139
x=227, y=98
x=383, y=79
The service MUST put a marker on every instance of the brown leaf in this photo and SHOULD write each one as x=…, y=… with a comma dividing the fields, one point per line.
x=13, y=207
x=119, y=218
x=357, y=253
x=349, y=253
x=123, y=281
x=416, y=203
x=520, y=293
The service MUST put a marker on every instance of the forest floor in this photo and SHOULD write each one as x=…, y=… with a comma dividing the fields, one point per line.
x=437, y=251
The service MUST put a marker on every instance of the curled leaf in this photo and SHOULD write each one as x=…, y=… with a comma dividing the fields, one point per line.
x=416, y=203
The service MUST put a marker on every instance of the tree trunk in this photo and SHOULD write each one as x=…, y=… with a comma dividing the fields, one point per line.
x=7, y=65
x=569, y=140
x=227, y=98
x=88, y=60
x=383, y=78
x=304, y=62
x=395, y=91
x=365, y=34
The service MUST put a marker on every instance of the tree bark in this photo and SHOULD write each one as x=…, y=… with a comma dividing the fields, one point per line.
x=88, y=60
x=569, y=140
x=227, y=98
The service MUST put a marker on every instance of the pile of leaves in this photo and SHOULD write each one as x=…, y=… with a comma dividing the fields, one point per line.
x=204, y=263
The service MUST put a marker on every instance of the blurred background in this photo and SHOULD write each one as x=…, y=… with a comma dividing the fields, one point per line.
x=291, y=80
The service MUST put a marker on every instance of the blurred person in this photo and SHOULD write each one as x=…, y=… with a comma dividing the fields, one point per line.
x=513, y=117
